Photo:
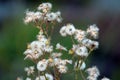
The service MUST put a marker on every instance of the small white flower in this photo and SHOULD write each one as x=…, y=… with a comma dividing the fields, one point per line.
x=58, y=13
x=28, y=78
x=59, y=46
x=28, y=17
x=56, y=55
x=28, y=51
x=37, y=16
x=56, y=61
x=69, y=61
x=75, y=47
x=83, y=66
x=59, y=18
x=42, y=65
x=32, y=54
x=62, y=68
x=29, y=70
x=48, y=49
x=82, y=51
x=63, y=31
x=51, y=16
x=19, y=78
x=91, y=78
x=62, y=62
x=49, y=76
x=105, y=78
x=45, y=7
x=40, y=78
x=90, y=44
x=32, y=16
x=93, y=31
x=34, y=50
x=35, y=45
x=70, y=29
x=37, y=78
x=80, y=35
x=41, y=37
x=93, y=73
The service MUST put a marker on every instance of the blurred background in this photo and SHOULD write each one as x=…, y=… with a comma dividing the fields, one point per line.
x=14, y=34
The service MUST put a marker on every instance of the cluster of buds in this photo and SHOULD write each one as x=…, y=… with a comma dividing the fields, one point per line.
x=49, y=64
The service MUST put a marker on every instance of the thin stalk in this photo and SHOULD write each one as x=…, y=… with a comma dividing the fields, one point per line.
x=83, y=77
x=72, y=40
x=39, y=75
x=76, y=75
x=52, y=29
x=45, y=77
x=56, y=73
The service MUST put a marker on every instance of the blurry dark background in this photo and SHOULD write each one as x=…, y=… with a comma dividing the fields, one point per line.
x=14, y=34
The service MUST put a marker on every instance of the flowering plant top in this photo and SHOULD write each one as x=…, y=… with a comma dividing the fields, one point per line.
x=47, y=58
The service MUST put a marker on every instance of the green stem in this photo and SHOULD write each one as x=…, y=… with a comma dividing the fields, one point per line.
x=76, y=74
x=83, y=77
x=39, y=74
x=45, y=77
x=72, y=40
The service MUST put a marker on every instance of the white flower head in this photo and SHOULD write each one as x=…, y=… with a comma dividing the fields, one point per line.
x=59, y=18
x=40, y=78
x=41, y=38
x=35, y=45
x=48, y=48
x=32, y=16
x=34, y=50
x=90, y=44
x=75, y=47
x=70, y=29
x=93, y=72
x=69, y=61
x=83, y=66
x=56, y=55
x=45, y=7
x=28, y=78
x=59, y=46
x=51, y=16
x=62, y=62
x=63, y=31
x=42, y=65
x=105, y=78
x=19, y=78
x=48, y=76
x=82, y=51
x=56, y=61
x=93, y=31
x=79, y=35
x=91, y=78
x=28, y=17
x=29, y=70
x=62, y=68
x=32, y=54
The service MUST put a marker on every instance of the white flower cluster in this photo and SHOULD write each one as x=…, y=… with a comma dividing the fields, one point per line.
x=38, y=48
x=93, y=73
x=82, y=38
x=43, y=14
x=49, y=64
